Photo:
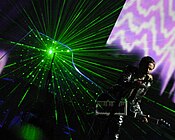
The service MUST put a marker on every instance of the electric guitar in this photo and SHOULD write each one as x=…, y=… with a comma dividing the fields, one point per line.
x=106, y=104
x=160, y=122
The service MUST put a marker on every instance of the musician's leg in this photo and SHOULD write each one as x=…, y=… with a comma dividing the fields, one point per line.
x=115, y=126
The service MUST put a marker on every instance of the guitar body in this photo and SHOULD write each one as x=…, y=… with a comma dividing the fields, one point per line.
x=110, y=109
x=106, y=105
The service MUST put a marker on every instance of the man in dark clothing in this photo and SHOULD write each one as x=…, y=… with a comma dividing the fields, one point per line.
x=132, y=85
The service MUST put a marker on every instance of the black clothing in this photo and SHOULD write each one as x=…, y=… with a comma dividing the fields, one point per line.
x=131, y=86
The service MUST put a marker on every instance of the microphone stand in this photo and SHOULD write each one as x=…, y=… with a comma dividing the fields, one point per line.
x=48, y=97
x=48, y=104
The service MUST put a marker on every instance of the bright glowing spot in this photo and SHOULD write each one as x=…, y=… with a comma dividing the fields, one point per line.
x=50, y=51
x=30, y=132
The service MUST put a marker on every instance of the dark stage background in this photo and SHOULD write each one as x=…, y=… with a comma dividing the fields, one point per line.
x=58, y=56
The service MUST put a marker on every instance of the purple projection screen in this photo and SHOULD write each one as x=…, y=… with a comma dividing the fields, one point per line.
x=148, y=26
x=3, y=59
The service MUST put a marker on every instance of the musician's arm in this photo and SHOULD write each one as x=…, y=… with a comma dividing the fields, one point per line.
x=136, y=110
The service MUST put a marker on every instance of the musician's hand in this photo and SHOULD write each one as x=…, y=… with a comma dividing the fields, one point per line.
x=144, y=119
x=150, y=77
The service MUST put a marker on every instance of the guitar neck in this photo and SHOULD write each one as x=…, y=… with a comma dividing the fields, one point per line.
x=160, y=122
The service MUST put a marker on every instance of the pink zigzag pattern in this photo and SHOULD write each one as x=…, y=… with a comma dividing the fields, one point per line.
x=149, y=26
